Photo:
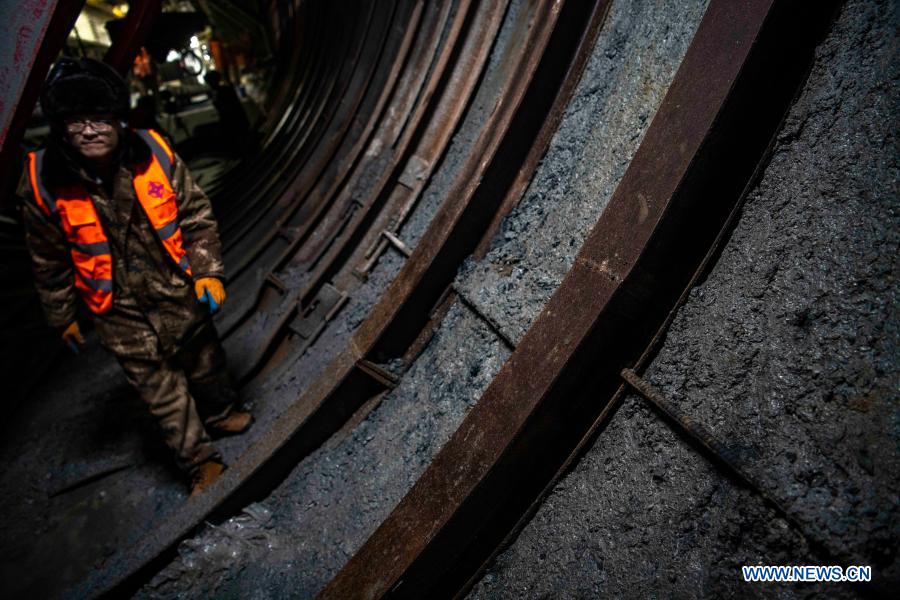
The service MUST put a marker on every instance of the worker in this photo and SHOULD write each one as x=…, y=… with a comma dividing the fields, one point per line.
x=114, y=218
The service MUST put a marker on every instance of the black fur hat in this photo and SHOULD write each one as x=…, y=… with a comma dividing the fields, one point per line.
x=83, y=87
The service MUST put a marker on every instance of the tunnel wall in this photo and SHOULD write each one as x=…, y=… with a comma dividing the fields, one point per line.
x=335, y=498
x=786, y=352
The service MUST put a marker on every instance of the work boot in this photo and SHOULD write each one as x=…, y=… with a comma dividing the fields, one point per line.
x=236, y=422
x=205, y=475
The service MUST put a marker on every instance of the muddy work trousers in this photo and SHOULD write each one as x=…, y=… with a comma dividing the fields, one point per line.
x=184, y=392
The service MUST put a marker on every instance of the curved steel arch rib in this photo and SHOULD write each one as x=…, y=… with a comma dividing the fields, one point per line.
x=705, y=142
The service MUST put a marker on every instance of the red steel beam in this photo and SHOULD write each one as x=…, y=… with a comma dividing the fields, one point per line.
x=35, y=32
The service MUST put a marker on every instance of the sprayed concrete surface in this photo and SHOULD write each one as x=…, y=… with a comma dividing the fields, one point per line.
x=787, y=352
x=310, y=526
x=636, y=55
x=339, y=495
x=673, y=527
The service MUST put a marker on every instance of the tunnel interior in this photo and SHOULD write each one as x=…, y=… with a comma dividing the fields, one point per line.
x=528, y=298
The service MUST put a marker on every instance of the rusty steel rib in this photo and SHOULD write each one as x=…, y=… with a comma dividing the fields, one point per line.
x=332, y=161
x=310, y=59
x=537, y=92
x=703, y=145
x=309, y=122
x=713, y=447
x=447, y=93
x=306, y=217
x=410, y=176
x=325, y=129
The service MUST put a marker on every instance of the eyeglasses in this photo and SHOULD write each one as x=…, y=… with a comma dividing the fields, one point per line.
x=98, y=125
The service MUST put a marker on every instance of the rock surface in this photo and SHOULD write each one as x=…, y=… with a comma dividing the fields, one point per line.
x=787, y=352
x=637, y=52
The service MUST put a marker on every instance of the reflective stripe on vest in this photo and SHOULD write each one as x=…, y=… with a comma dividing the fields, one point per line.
x=35, y=164
x=88, y=244
x=153, y=184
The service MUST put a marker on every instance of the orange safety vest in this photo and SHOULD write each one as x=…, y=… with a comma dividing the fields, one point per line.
x=88, y=243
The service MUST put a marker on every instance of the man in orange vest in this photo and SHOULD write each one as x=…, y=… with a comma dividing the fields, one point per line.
x=113, y=218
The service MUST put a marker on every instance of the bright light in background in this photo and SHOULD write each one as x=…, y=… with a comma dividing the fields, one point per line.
x=89, y=30
x=195, y=43
x=173, y=55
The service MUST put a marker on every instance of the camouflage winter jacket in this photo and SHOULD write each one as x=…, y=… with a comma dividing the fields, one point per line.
x=144, y=277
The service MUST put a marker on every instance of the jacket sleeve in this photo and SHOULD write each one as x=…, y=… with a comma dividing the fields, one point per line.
x=198, y=225
x=50, y=260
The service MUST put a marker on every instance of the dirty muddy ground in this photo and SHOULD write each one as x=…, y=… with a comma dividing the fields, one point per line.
x=787, y=352
x=80, y=455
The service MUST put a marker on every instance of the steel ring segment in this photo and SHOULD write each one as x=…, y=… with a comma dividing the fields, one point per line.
x=288, y=230
x=455, y=231
x=305, y=111
x=323, y=143
x=248, y=188
x=336, y=256
x=306, y=221
x=630, y=271
x=258, y=185
x=311, y=120
x=333, y=227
